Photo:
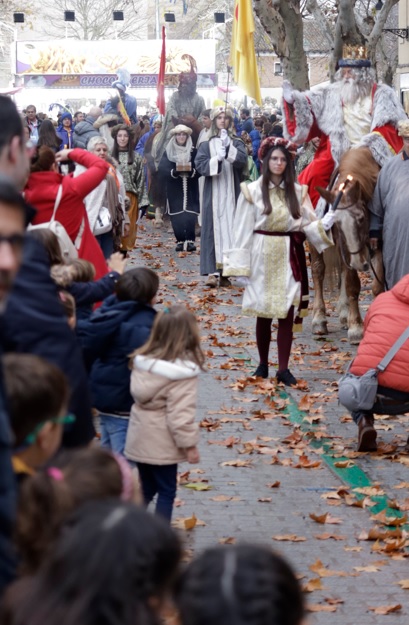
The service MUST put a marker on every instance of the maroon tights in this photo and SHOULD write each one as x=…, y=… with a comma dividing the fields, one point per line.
x=284, y=339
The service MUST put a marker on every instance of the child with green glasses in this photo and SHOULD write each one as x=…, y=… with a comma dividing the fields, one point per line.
x=37, y=394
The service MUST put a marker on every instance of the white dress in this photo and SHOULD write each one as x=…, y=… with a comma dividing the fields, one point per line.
x=265, y=259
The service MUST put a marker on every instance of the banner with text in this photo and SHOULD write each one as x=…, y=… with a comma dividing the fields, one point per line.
x=72, y=63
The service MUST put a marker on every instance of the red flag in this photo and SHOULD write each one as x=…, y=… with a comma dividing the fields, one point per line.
x=160, y=101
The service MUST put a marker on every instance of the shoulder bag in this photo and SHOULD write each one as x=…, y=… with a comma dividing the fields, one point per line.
x=68, y=249
x=359, y=392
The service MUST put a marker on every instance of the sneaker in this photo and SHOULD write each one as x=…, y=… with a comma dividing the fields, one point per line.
x=191, y=247
x=179, y=247
x=212, y=281
x=286, y=377
x=261, y=371
x=224, y=281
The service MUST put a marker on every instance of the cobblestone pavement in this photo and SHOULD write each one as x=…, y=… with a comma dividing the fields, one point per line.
x=251, y=425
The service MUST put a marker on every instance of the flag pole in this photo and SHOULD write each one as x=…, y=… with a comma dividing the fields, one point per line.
x=229, y=68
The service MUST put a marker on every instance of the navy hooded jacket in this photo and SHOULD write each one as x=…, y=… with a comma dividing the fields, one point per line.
x=108, y=338
x=34, y=323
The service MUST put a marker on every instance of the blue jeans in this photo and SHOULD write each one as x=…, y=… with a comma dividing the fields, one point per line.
x=106, y=243
x=161, y=480
x=113, y=432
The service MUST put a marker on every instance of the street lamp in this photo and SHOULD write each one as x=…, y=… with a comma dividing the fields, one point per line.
x=170, y=16
x=69, y=16
x=18, y=18
x=403, y=33
x=219, y=18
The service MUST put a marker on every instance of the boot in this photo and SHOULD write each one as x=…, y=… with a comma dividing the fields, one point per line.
x=366, y=434
x=158, y=221
x=286, y=377
x=261, y=371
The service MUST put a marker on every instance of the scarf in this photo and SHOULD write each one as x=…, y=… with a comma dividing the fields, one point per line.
x=179, y=153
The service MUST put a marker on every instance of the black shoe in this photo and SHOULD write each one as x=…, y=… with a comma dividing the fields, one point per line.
x=286, y=377
x=223, y=281
x=366, y=434
x=191, y=247
x=179, y=247
x=261, y=371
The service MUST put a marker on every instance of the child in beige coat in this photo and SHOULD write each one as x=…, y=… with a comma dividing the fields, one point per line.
x=162, y=431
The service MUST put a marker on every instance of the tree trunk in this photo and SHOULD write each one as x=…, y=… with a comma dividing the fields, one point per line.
x=282, y=20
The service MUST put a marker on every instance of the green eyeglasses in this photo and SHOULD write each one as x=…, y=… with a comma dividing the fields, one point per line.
x=31, y=438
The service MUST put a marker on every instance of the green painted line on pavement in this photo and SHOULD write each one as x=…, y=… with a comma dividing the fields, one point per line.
x=353, y=476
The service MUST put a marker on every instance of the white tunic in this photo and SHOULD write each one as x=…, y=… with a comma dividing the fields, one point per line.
x=265, y=259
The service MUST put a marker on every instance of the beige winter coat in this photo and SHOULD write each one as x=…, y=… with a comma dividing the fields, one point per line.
x=161, y=424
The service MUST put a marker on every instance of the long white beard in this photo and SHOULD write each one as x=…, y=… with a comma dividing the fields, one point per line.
x=353, y=91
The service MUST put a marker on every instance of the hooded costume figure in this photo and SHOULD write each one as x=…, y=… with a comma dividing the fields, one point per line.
x=222, y=160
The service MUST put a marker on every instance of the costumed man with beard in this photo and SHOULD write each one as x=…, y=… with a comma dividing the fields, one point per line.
x=354, y=111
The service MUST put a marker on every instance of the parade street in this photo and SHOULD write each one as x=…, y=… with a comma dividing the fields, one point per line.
x=279, y=466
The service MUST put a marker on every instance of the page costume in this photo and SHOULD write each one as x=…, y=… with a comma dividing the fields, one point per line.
x=275, y=284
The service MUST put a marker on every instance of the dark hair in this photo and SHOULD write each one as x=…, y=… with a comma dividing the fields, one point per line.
x=47, y=136
x=112, y=560
x=44, y=159
x=206, y=112
x=276, y=131
x=11, y=122
x=45, y=503
x=245, y=584
x=32, y=106
x=131, y=142
x=245, y=111
x=36, y=392
x=139, y=285
x=258, y=123
x=49, y=240
x=289, y=179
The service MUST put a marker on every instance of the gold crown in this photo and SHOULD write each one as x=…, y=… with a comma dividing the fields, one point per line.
x=358, y=53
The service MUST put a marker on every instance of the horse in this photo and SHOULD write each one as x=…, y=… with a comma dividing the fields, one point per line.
x=351, y=237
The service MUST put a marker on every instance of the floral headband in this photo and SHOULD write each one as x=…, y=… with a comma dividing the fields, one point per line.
x=275, y=142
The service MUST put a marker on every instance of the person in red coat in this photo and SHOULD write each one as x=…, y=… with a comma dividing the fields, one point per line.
x=42, y=188
x=387, y=318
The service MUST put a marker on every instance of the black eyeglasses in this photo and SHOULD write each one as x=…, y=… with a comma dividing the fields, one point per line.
x=16, y=241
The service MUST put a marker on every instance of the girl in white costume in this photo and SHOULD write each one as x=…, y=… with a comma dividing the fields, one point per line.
x=272, y=219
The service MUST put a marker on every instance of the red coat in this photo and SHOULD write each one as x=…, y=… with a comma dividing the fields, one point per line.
x=386, y=319
x=41, y=191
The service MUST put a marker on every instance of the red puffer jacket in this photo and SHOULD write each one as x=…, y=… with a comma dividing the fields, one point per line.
x=386, y=319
